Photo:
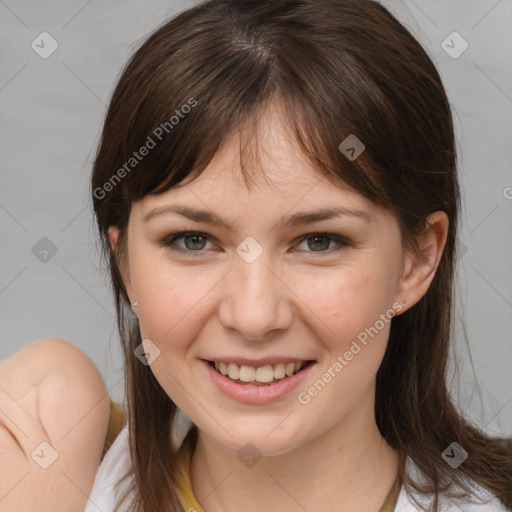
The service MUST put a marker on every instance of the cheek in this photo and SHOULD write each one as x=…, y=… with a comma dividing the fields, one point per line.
x=167, y=310
x=172, y=300
x=171, y=311
x=350, y=299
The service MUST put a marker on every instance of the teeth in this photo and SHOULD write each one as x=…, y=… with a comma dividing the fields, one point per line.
x=279, y=371
x=233, y=371
x=263, y=374
x=247, y=373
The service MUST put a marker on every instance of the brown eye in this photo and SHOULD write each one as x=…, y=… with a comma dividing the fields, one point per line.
x=196, y=242
x=318, y=242
x=186, y=242
x=322, y=242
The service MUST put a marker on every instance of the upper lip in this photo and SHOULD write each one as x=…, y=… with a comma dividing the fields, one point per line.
x=257, y=362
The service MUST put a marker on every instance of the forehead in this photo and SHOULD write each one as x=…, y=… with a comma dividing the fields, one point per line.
x=276, y=166
x=281, y=181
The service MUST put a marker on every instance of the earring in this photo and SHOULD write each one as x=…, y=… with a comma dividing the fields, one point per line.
x=135, y=303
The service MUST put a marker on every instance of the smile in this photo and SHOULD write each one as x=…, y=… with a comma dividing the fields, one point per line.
x=261, y=375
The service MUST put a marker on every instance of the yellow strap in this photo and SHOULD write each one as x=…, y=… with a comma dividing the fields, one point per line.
x=188, y=500
x=190, y=503
x=115, y=425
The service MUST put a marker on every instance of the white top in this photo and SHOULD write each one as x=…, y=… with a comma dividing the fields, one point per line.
x=117, y=461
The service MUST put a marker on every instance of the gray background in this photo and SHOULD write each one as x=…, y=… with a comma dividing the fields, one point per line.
x=51, y=115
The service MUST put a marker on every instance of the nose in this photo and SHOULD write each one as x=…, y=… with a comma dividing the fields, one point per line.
x=256, y=301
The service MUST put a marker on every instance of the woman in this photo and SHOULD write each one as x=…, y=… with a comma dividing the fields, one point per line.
x=276, y=191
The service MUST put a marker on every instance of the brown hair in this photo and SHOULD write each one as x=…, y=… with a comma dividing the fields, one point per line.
x=341, y=67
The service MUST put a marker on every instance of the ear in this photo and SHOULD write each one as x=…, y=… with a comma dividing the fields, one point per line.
x=113, y=236
x=420, y=267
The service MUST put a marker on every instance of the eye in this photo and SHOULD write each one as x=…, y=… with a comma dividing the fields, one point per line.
x=190, y=242
x=320, y=242
x=193, y=241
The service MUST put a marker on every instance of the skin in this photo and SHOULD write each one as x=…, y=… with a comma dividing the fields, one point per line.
x=50, y=392
x=293, y=300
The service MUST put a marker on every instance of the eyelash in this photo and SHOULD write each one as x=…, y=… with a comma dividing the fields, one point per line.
x=170, y=240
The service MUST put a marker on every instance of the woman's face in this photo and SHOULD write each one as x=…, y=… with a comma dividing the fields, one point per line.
x=296, y=270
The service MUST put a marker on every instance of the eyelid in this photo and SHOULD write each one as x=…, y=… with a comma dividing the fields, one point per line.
x=170, y=240
x=341, y=241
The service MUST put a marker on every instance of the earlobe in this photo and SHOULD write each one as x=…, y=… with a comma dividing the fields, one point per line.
x=420, y=266
x=113, y=236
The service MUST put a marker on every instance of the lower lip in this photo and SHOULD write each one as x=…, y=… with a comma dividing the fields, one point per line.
x=250, y=394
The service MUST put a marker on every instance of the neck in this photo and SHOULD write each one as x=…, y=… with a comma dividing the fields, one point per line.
x=350, y=467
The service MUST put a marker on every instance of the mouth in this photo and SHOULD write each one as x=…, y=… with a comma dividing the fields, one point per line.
x=265, y=375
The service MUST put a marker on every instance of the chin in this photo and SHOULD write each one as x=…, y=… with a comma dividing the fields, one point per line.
x=258, y=439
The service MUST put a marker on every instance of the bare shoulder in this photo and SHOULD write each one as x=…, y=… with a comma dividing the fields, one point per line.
x=63, y=381
x=42, y=358
x=54, y=411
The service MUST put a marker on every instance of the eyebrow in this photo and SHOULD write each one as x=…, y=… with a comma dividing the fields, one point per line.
x=296, y=219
